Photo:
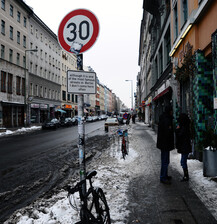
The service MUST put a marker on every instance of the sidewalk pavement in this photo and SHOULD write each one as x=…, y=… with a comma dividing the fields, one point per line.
x=153, y=202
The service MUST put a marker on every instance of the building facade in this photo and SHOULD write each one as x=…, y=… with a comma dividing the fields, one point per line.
x=14, y=43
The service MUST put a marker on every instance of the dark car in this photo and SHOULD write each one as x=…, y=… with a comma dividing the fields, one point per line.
x=51, y=124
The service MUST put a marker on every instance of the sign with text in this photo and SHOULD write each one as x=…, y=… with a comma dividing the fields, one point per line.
x=81, y=82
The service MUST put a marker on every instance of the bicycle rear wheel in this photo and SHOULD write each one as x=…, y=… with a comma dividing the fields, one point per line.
x=103, y=209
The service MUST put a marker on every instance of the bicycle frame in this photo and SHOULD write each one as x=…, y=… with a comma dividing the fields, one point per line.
x=86, y=214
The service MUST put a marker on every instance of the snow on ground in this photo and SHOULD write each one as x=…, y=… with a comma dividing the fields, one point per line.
x=113, y=177
x=21, y=130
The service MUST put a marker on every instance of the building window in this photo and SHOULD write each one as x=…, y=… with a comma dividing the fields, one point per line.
x=41, y=91
x=76, y=98
x=36, y=90
x=24, y=41
x=18, y=59
x=160, y=60
x=36, y=69
x=18, y=37
x=18, y=84
x=184, y=10
x=73, y=98
x=68, y=97
x=31, y=28
x=24, y=21
x=11, y=32
x=3, y=27
x=64, y=95
x=167, y=46
x=18, y=16
x=10, y=83
x=31, y=89
x=3, y=4
x=11, y=10
x=2, y=51
x=3, y=81
x=23, y=86
x=24, y=62
x=11, y=55
x=175, y=21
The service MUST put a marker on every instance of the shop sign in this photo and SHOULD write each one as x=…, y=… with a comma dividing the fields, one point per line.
x=43, y=106
x=67, y=106
x=34, y=105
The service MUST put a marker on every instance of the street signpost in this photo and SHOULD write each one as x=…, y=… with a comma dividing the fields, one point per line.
x=77, y=33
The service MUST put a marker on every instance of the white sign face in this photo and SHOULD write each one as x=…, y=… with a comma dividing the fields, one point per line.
x=215, y=103
x=81, y=82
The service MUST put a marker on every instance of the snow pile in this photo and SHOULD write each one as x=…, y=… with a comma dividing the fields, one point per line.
x=21, y=130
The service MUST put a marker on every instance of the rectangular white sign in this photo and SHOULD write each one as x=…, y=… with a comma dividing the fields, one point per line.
x=215, y=103
x=81, y=82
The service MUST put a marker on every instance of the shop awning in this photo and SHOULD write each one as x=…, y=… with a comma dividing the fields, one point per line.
x=61, y=111
x=162, y=93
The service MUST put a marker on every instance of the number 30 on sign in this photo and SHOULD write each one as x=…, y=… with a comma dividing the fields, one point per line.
x=78, y=31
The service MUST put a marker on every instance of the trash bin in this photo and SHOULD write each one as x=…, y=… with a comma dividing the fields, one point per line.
x=209, y=162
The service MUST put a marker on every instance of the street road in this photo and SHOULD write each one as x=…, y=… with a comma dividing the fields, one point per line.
x=35, y=163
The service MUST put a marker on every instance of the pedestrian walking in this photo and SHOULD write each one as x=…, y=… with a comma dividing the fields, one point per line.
x=183, y=142
x=165, y=142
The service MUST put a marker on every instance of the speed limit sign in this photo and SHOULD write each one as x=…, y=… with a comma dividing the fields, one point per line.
x=78, y=31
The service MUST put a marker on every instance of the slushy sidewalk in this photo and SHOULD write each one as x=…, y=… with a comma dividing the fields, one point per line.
x=181, y=202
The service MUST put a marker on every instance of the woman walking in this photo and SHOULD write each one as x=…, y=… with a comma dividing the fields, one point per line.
x=183, y=142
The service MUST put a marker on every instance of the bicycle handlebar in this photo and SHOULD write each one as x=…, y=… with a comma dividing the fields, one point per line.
x=77, y=187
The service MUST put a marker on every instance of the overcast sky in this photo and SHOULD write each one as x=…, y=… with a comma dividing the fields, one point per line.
x=114, y=56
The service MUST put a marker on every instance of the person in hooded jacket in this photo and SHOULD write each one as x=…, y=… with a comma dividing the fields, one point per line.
x=183, y=142
x=165, y=142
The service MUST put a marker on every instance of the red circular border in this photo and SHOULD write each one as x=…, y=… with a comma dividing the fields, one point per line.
x=77, y=12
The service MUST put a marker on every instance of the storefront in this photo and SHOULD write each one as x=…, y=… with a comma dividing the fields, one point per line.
x=160, y=101
x=12, y=114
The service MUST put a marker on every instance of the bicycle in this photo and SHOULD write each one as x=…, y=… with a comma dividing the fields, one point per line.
x=94, y=208
x=125, y=143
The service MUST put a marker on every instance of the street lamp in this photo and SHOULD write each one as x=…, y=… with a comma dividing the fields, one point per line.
x=131, y=92
x=26, y=111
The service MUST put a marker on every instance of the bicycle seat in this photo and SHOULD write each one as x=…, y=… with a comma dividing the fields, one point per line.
x=91, y=174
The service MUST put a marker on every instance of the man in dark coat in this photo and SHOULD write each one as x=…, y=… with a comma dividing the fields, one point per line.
x=183, y=142
x=165, y=142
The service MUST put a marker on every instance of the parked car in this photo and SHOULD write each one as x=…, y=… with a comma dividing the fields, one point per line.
x=68, y=122
x=89, y=119
x=95, y=118
x=74, y=121
x=103, y=117
x=111, y=121
x=50, y=124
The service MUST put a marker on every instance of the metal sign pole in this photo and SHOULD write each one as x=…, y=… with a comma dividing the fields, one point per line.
x=81, y=132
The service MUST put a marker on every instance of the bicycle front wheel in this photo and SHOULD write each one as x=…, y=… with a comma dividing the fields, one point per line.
x=103, y=209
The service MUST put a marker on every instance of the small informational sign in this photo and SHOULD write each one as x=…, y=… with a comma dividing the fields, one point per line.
x=81, y=82
x=215, y=103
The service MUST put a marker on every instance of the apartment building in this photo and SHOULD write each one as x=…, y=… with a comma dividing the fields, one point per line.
x=155, y=90
x=14, y=43
x=194, y=46
x=44, y=71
